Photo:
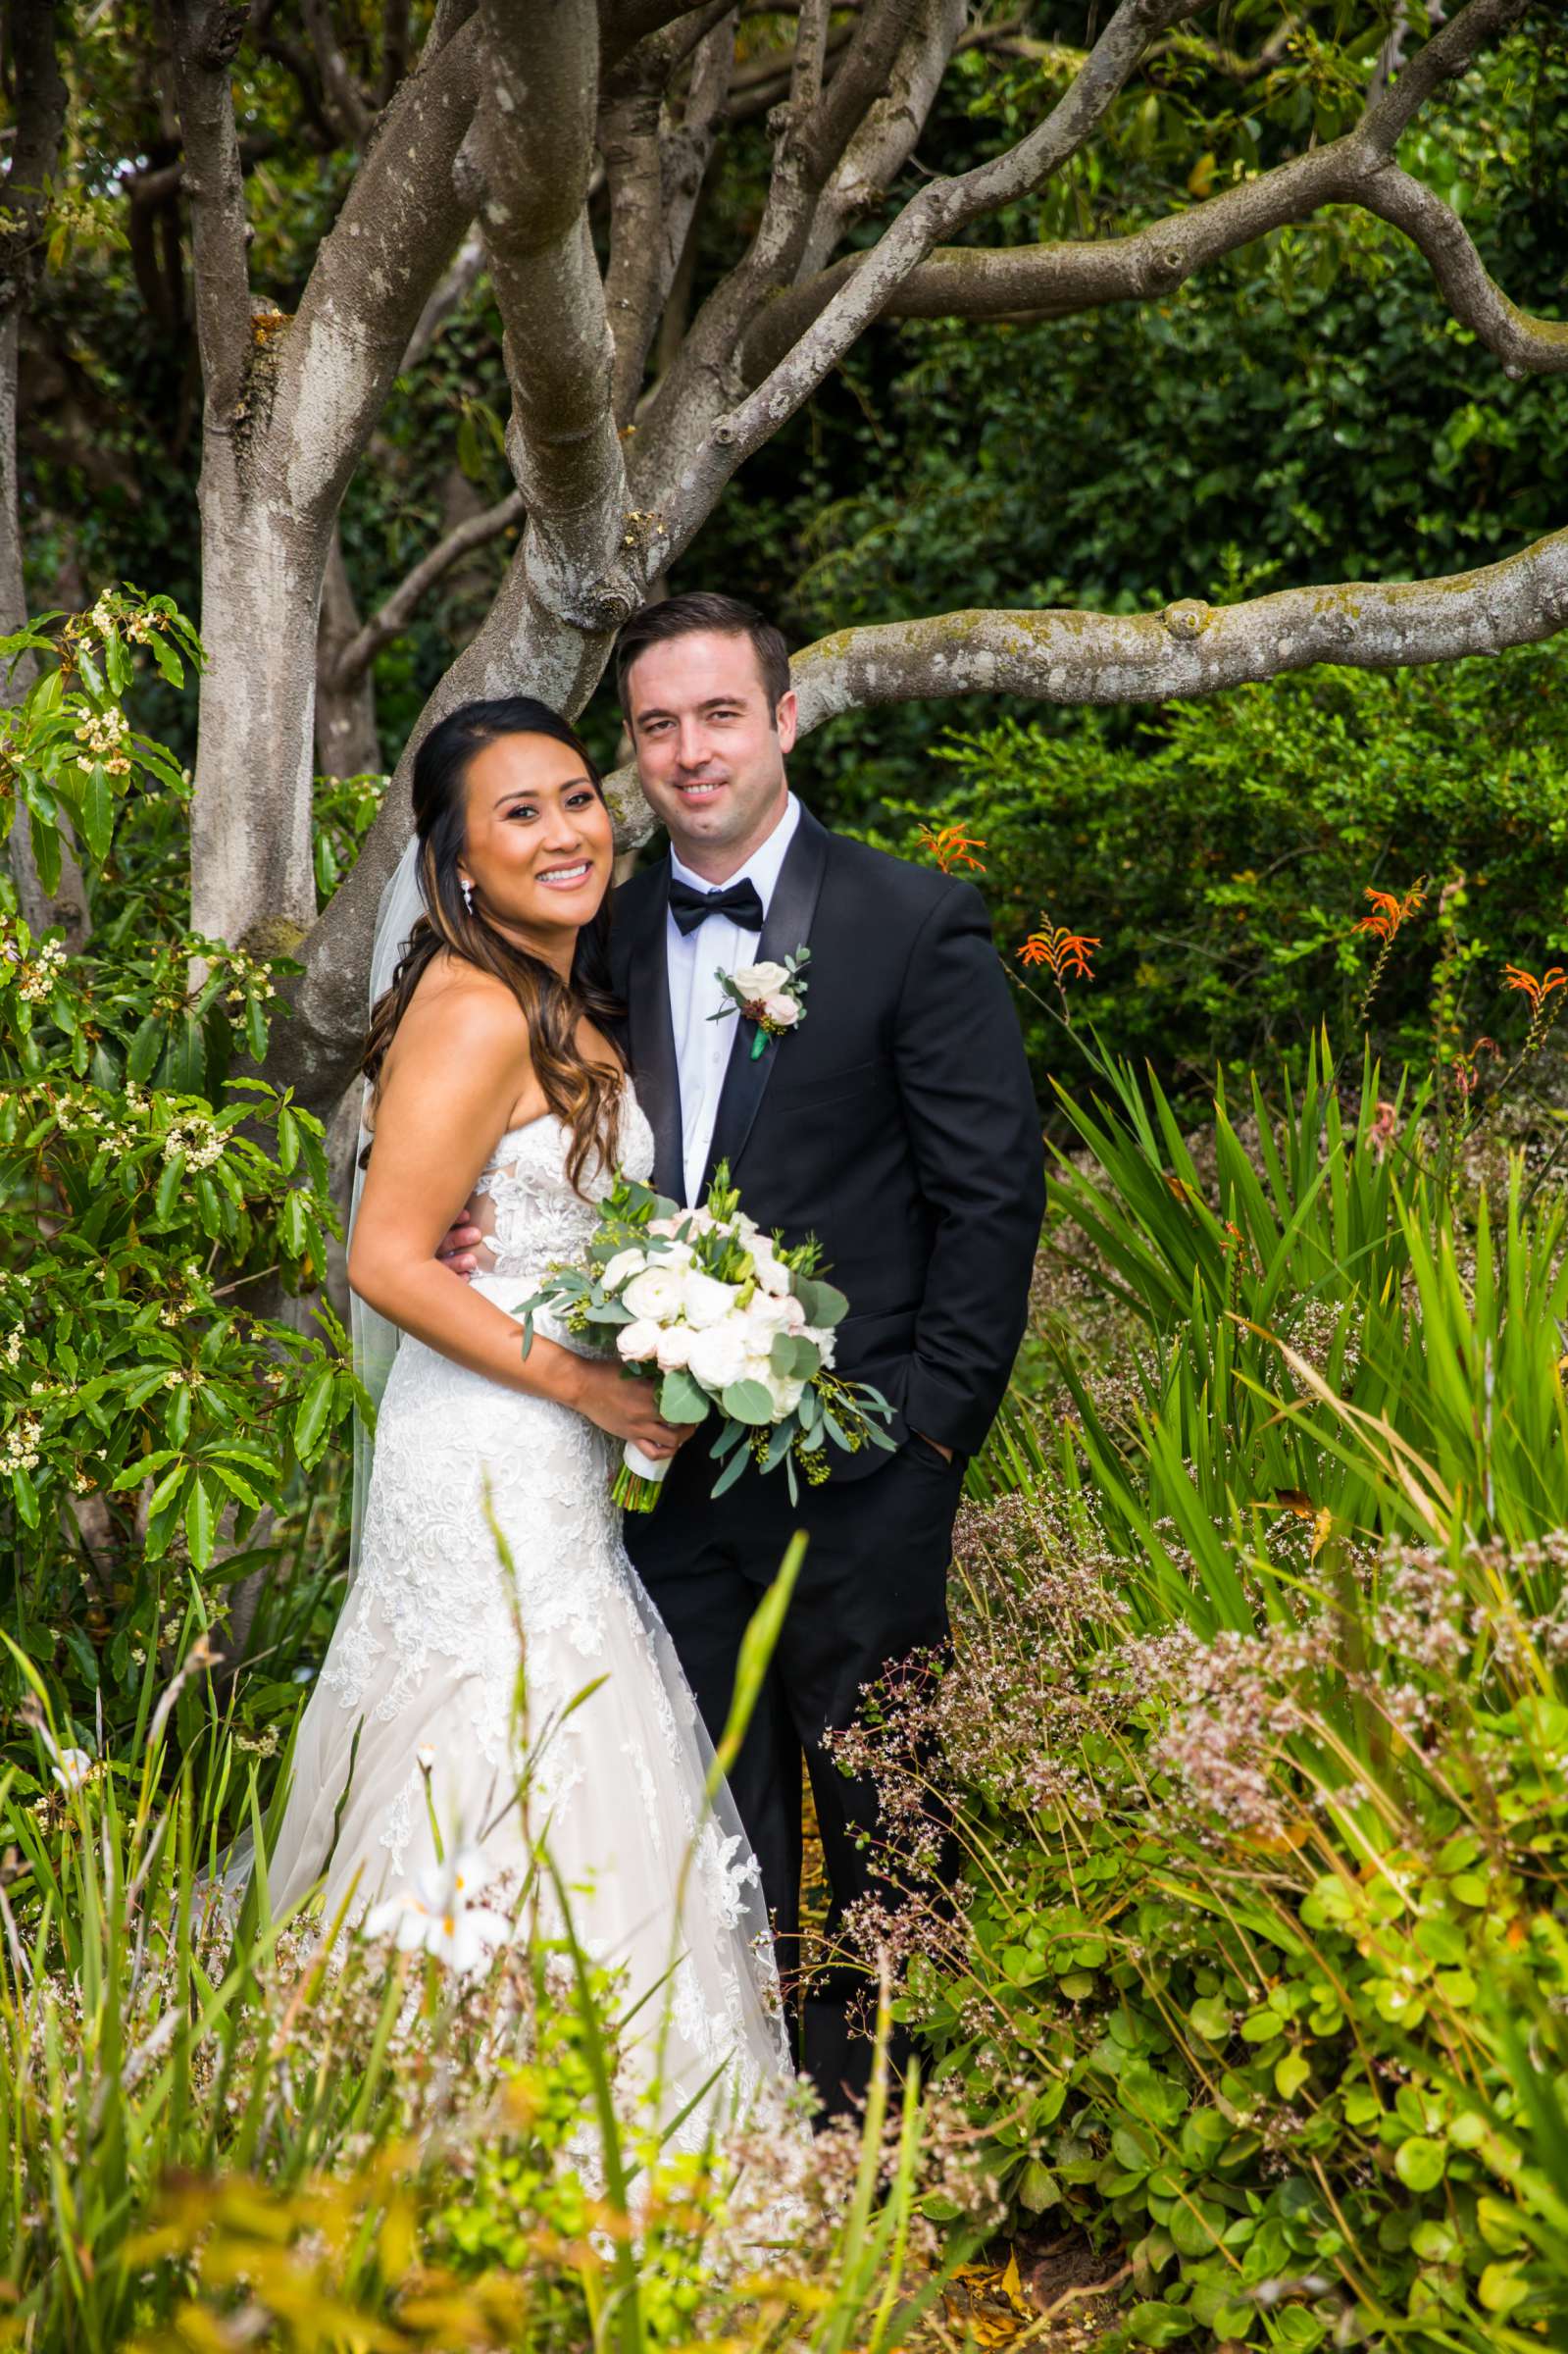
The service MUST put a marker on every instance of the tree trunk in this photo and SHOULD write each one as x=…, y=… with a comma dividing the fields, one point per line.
x=347, y=743
x=252, y=883
x=69, y=906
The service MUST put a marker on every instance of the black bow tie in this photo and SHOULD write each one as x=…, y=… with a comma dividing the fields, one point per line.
x=690, y=908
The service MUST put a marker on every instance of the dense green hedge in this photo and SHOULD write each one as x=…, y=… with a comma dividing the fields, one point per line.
x=1222, y=858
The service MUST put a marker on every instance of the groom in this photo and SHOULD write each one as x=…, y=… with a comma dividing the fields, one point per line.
x=896, y=1123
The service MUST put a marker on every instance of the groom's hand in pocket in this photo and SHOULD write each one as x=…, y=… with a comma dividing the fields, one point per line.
x=458, y=1245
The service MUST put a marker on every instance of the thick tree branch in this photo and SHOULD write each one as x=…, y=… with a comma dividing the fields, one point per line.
x=360, y=651
x=685, y=152
x=535, y=145
x=629, y=141
x=205, y=35
x=884, y=140
x=1525, y=345
x=935, y=212
x=1191, y=649
x=1053, y=281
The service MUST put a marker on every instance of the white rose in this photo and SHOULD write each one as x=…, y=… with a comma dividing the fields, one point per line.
x=704, y=1300
x=786, y=1395
x=785, y=1012
x=675, y=1348
x=655, y=1293
x=759, y=980
x=766, y=1316
x=718, y=1354
x=625, y=1264
x=638, y=1342
x=771, y=1274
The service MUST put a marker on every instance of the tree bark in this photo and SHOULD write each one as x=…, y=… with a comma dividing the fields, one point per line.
x=346, y=741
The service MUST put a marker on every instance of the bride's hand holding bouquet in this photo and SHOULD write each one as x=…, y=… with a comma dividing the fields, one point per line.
x=717, y=1319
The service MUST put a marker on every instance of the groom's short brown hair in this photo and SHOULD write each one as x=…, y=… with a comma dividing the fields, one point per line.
x=706, y=611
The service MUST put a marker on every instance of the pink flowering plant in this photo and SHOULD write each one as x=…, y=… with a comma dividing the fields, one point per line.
x=729, y=1322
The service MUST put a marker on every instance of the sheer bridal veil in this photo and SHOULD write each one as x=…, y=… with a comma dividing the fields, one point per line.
x=375, y=1337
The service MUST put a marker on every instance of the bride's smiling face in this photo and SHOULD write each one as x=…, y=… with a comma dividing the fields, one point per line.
x=538, y=845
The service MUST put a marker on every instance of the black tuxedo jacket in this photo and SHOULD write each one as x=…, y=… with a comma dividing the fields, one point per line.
x=896, y=1123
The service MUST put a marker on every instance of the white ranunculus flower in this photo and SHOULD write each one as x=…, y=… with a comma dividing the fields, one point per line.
x=675, y=1348
x=655, y=1293
x=718, y=1354
x=705, y=1301
x=773, y=1275
x=786, y=1011
x=621, y=1268
x=639, y=1341
x=756, y=981
x=795, y=1316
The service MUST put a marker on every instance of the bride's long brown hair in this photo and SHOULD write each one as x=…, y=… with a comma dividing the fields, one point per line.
x=584, y=1095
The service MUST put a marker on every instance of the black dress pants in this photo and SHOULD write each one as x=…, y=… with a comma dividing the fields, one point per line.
x=872, y=1587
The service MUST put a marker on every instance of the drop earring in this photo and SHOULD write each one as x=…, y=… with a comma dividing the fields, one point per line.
x=468, y=894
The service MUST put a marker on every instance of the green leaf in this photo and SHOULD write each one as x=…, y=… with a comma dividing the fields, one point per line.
x=168, y=1185
x=287, y=1139
x=748, y=1402
x=1156, y=2323
x=201, y=1521
x=310, y=1423
x=168, y=661
x=1420, y=2163
x=98, y=814
x=144, y=1047
x=681, y=1399
x=1290, y=2074
x=26, y=1496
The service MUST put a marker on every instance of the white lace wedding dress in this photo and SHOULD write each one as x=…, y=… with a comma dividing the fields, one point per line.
x=426, y=1658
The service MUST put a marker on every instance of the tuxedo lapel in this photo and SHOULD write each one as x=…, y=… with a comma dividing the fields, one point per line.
x=787, y=927
x=653, y=1056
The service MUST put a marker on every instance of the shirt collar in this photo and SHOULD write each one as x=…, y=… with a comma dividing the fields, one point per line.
x=762, y=868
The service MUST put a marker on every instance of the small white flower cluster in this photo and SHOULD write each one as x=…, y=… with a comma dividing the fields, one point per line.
x=201, y=1142
x=250, y=976
x=12, y=1346
x=35, y=980
x=262, y=1745
x=719, y=1333
x=18, y=1445
x=105, y=735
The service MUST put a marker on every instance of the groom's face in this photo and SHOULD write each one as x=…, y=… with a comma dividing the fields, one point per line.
x=710, y=752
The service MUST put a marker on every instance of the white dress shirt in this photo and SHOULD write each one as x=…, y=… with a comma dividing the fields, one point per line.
x=703, y=1046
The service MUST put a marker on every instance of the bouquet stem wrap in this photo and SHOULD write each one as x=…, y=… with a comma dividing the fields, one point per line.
x=639, y=1482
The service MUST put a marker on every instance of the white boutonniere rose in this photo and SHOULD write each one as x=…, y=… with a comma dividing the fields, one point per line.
x=772, y=996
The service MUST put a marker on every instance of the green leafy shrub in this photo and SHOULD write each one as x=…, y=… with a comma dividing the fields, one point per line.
x=159, y=1405
x=1242, y=1921
x=1223, y=861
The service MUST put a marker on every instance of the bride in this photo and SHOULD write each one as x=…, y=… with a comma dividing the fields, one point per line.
x=491, y=1069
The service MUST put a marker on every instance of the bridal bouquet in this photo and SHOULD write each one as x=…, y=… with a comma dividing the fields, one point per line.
x=726, y=1321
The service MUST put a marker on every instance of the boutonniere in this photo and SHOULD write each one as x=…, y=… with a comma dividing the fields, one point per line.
x=772, y=995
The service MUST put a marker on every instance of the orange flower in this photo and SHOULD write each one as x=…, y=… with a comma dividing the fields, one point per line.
x=1066, y=952
x=950, y=846
x=1389, y=911
x=1538, y=992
